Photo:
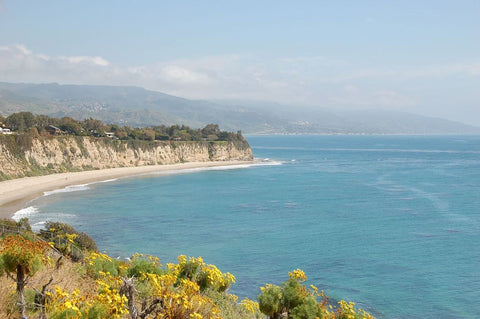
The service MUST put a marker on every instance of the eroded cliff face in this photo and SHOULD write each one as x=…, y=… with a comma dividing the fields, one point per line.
x=68, y=153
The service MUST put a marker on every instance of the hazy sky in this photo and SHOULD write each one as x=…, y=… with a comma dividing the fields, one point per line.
x=417, y=56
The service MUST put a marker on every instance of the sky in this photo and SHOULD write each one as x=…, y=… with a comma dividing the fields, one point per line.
x=416, y=56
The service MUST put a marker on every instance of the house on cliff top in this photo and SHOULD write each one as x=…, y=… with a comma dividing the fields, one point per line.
x=53, y=130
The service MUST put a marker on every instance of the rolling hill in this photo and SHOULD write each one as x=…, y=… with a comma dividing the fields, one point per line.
x=136, y=107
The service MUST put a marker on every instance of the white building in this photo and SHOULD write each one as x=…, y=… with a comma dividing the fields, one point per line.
x=5, y=131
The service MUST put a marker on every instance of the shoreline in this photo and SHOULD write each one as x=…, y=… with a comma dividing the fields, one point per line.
x=16, y=193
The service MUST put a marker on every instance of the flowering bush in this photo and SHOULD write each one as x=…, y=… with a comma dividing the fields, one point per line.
x=97, y=263
x=206, y=276
x=69, y=241
x=143, y=288
x=294, y=300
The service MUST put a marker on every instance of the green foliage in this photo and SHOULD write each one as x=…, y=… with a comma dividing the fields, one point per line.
x=190, y=269
x=17, y=251
x=143, y=264
x=85, y=242
x=72, y=128
x=97, y=264
x=97, y=311
x=204, y=275
x=55, y=230
x=67, y=240
x=293, y=294
x=211, y=129
x=21, y=258
x=2, y=266
x=228, y=305
x=36, y=125
x=64, y=314
x=175, y=291
x=292, y=299
x=270, y=301
x=21, y=121
x=307, y=309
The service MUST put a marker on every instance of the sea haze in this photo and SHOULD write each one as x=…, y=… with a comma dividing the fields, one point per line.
x=390, y=222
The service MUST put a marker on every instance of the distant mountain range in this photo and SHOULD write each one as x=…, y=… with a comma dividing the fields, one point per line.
x=138, y=107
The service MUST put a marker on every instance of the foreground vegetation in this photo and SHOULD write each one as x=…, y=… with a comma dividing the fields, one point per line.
x=59, y=273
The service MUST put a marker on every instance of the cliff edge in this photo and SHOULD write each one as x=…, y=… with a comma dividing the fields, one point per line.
x=23, y=156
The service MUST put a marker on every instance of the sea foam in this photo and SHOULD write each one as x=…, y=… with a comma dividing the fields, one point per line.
x=25, y=213
x=68, y=189
x=38, y=218
x=76, y=188
x=258, y=162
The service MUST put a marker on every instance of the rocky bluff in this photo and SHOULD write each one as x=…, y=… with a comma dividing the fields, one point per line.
x=20, y=157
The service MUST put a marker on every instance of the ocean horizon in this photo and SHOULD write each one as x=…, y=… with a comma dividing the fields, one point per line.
x=389, y=222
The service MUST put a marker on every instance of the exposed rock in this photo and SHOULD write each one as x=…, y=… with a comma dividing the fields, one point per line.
x=69, y=153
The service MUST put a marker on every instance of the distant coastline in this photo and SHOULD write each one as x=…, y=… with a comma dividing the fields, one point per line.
x=14, y=194
x=251, y=117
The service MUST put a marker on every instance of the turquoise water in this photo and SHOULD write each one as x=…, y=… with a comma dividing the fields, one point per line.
x=390, y=222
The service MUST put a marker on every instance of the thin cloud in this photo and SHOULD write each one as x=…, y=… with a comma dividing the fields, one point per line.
x=312, y=81
x=96, y=60
x=436, y=71
x=352, y=95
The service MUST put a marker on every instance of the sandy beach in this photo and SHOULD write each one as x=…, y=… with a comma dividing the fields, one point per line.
x=15, y=194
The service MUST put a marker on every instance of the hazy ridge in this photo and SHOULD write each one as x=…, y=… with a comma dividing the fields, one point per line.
x=135, y=106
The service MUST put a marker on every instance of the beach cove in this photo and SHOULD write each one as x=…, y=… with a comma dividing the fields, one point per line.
x=16, y=193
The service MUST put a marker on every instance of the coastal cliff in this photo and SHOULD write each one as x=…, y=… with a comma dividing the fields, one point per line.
x=45, y=155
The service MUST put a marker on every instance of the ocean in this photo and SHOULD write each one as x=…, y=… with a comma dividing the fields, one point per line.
x=389, y=222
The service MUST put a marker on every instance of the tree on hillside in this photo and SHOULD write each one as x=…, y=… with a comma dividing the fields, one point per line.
x=21, y=121
x=94, y=126
x=71, y=126
x=20, y=259
x=210, y=131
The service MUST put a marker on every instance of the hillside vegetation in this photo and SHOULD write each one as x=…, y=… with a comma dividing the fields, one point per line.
x=59, y=273
x=35, y=125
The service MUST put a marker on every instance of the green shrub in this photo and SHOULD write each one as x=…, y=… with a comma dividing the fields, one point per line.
x=143, y=264
x=86, y=242
x=64, y=314
x=67, y=240
x=294, y=300
x=54, y=230
x=270, y=300
x=228, y=305
x=98, y=263
x=97, y=311
x=306, y=310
